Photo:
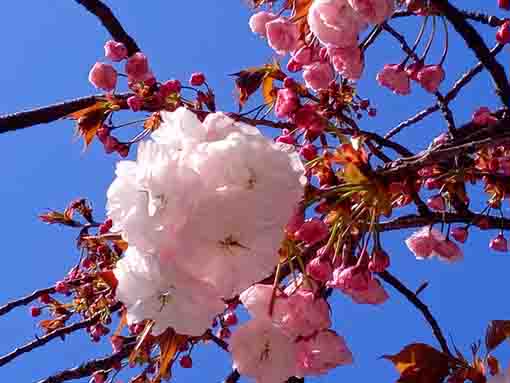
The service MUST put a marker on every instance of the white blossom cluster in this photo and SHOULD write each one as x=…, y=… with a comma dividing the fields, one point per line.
x=203, y=209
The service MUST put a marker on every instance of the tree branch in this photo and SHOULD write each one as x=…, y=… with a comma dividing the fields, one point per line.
x=233, y=377
x=411, y=297
x=25, y=300
x=111, y=23
x=475, y=42
x=58, y=333
x=88, y=368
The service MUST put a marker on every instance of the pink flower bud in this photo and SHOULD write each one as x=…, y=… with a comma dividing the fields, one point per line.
x=137, y=67
x=230, y=318
x=282, y=35
x=197, y=79
x=432, y=183
x=380, y=261
x=499, y=244
x=319, y=269
x=373, y=11
x=135, y=103
x=293, y=66
x=123, y=150
x=305, y=55
x=318, y=76
x=436, y=203
x=309, y=152
x=98, y=377
x=430, y=77
x=103, y=76
x=286, y=139
x=287, y=102
x=296, y=220
x=482, y=116
x=61, y=287
x=115, y=51
x=503, y=33
x=395, y=78
x=312, y=231
x=460, y=234
x=259, y=20
x=102, y=133
x=504, y=4
x=111, y=144
x=35, y=311
x=169, y=87
x=186, y=361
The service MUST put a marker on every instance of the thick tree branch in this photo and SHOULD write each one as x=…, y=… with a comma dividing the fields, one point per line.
x=88, y=368
x=422, y=307
x=475, y=42
x=58, y=333
x=110, y=22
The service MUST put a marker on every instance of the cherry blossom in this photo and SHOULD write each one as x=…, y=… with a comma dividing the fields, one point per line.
x=263, y=352
x=429, y=242
x=115, y=51
x=321, y=353
x=165, y=294
x=282, y=35
x=373, y=11
x=103, y=76
x=318, y=75
x=335, y=22
x=348, y=61
x=259, y=21
x=395, y=78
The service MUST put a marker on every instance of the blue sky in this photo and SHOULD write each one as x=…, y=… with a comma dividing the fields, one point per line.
x=48, y=49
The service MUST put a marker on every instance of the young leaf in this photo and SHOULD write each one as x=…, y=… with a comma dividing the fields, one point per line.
x=497, y=331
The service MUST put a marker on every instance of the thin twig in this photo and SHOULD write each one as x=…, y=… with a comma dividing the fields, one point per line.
x=25, y=300
x=88, y=368
x=422, y=307
x=58, y=333
x=233, y=377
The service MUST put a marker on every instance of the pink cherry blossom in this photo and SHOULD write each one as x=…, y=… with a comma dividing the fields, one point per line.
x=137, y=67
x=430, y=77
x=296, y=220
x=321, y=353
x=256, y=299
x=312, y=231
x=448, y=251
x=335, y=22
x=380, y=261
x=348, y=61
x=115, y=51
x=259, y=21
x=429, y=242
x=374, y=294
x=306, y=118
x=308, y=151
x=395, y=78
x=103, y=76
x=318, y=75
x=282, y=35
x=422, y=242
x=373, y=11
x=305, y=55
x=302, y=313
x=413, y=69
x=348, y=279
x=263, y=352
x=319, y=269
x=287, y=102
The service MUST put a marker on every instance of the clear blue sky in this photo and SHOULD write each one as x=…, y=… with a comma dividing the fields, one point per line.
x=47, y=50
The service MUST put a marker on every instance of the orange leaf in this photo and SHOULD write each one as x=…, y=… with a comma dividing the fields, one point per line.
x=268, y=92
x=153, y=122
x=302, y=8
x=169, y=343
x=420, y=363
x=122, y=323
x=90, y=120
x=143, y=335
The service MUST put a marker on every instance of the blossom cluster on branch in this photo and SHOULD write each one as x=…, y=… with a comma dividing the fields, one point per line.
x=211, y=216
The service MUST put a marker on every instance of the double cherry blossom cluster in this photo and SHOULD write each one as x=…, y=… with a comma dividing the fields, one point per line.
x=332, y=45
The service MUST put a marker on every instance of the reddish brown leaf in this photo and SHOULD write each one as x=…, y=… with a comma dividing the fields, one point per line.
x=89, y=120
x=109, y=278
x=420, y=363
x=497, y=331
